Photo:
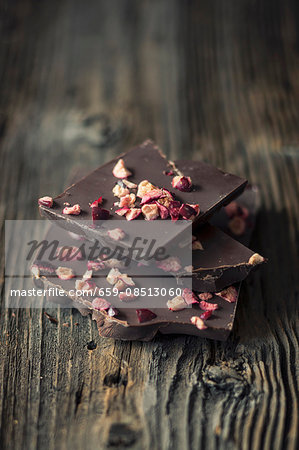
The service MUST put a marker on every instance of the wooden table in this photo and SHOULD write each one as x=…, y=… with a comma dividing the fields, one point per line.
x=212, y=80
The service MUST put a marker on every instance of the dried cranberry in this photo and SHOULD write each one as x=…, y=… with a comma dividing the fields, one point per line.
x=46, y=201
x=229, y=294
x=95, y=265
x=150, y=211
x=133, y=213
x=206, y=306
x=97, y=202
x=189, y=296
x=187, y=211
x=100, y=303
x=163, y=211
x=206, y=315
x=155, y=194
x=73, y=210
x=174, y=209
x=182, y=183
x=169, y=173
x=144, y=315
x=122, y=211
x=99, y=213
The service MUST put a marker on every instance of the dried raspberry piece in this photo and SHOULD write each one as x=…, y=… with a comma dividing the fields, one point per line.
x=69, y=253
x=206, y=315
x=126, y=279
x=112, y=312
x=96, y=265
x=163, y=211
x=122, y=211
x=256, y=259
x=113, y=262
x=229, y=294
x=170, y=264
x=197, y=245
x=127, y=201
x=237, y=225
x=187, y=211
x=87, y=275
x=46, y=201
x=42, y=268
x=113, y=276
x=65, y=273
x=189, y=296
x=97, y=202
x=124, y=297
x=120, y=170
x=144, y=315
x=119, y=191
x=133, y=213
x=154, y=194
x=117, y=234
x=195, y=207
x=150, y=211
x=129, y=184
x=169, y=173
x=206, y=306
x=182, y=183
x=198, y=322
x=85, y=285
x=120, y=285
x=176, y=303
x=73, y=210
x=174, y=209
x=205, y=296
x=99, y=213
x=144, y=187
x=100, y=304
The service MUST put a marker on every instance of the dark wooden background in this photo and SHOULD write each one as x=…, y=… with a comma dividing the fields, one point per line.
x=215, y=80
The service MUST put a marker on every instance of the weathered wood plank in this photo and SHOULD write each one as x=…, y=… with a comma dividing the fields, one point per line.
x=210, y=80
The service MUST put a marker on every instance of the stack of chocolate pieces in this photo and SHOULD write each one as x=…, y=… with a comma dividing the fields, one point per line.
x=141, y=185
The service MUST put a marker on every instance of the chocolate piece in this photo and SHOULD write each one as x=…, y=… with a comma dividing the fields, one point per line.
x=211, y=187
x=219, y=324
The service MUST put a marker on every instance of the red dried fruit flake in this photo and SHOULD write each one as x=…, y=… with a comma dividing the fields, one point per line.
x=198, y=322
x=182, y=183
x=144, y=315
x=206, y=315
x=133, y=213
x=176, y=304
x=169, y=173
x=187, y=212
x=73, y=210
x=174, y=209
x=65, y=273
x=117, y=234
x=122, y=211
x=237, y=225
x=170, y=264
x=97, y=202
x=96, y=265
x=205, y=296
x=120, y=191
x=113, y=276
x=189, y=296
x=129, y=184
x=99, y=213
x=87, y=275
x=150, y=211
x=124, y=297
x=46, y=201
x=256, y=259
x=42, y=268
x=127, y=201
x=163, y=211
x=120, y=170
x=206, y=306
x=144, y=187
x=68, y=253
x=229, y=294
x=154, y=194
x=100, y=304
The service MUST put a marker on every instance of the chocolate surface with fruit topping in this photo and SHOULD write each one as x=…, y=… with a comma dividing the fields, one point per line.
x=210, y=315
x=142, y=184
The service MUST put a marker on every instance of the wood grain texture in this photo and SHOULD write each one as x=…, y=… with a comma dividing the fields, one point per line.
x=211, y=80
